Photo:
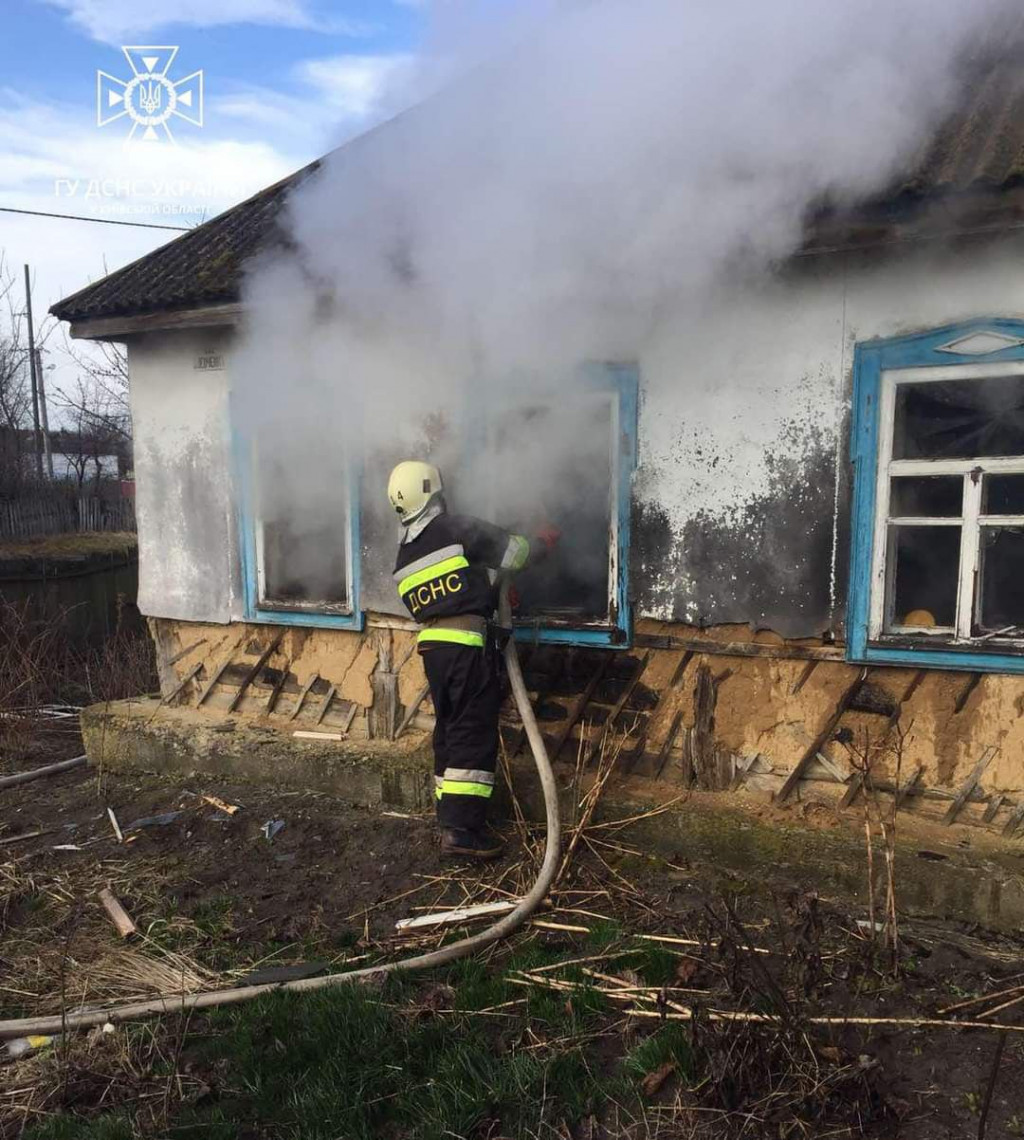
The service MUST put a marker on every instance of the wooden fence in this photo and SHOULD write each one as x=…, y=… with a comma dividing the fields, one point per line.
x=33, y=516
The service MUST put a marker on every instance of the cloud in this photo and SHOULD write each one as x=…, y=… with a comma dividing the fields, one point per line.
x=49, y=162
x=337, y=97
x=118, y=21
x=359, y=86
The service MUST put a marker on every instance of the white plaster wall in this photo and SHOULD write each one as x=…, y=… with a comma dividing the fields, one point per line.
x=743, y=467
x=746, y=393
x=188, y=549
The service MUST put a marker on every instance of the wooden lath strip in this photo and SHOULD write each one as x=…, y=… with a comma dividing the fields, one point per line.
x=970, y=784
x=908, y=692
x=275, y=692
x=609, y=725
x=412, y=710
x=255, y=671
x=186, y=651
x=823, y=737
x=326, y=704
x=805, y=676
x=1016, y=817
x=181, y=684
x=910, y=788
x=666, y=747
x=216, y=675
x=714, y=648
x=302, y=696
x=579, y=706
x=994, y=804
x=965, y=693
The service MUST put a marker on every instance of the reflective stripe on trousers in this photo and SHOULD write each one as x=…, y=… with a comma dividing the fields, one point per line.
x=464, y=782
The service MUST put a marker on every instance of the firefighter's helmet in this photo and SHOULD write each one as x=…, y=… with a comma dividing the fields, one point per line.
x=412, y=487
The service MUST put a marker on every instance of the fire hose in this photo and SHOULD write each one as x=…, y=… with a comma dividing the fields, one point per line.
x=177, y=1003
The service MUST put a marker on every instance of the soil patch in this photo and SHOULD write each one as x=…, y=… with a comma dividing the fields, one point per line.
x=587, y=1054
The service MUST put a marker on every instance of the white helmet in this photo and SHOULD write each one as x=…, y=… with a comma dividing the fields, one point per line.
x=412, y=487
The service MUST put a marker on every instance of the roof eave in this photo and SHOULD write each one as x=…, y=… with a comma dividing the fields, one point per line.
x=126, y=325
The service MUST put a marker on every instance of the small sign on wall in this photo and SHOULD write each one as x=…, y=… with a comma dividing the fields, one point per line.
x=209, y=362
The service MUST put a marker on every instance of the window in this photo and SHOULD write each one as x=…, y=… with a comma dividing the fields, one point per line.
x=299, y=533
x=568, y=459
x=938, y=544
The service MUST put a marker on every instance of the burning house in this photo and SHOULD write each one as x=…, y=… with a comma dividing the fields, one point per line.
x=792, y=505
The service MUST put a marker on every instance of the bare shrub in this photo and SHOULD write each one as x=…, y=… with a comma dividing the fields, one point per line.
x=43, y=668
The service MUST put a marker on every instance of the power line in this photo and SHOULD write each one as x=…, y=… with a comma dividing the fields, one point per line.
x=85, y=218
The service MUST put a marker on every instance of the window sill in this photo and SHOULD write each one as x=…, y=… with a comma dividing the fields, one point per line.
x=327, y=610
x=957, y=656
x=311, y=620
x=925, y=643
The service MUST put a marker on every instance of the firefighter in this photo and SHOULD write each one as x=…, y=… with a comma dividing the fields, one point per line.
x=447, y=571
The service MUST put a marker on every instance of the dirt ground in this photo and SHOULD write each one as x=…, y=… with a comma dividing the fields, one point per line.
x=215, y=900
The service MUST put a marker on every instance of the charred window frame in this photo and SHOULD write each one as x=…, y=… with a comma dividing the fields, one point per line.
x=261, y=602
x=935, y=515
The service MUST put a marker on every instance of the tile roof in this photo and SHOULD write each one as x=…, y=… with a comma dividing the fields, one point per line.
x=980, y=148
x=202, y=267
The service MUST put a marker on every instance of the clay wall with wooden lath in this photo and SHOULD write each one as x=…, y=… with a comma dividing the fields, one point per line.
x=712, y=709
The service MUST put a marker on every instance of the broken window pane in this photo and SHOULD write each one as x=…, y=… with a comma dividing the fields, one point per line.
x=1001, y=589
x=927, y=496
x=959, y=419
x=924, y=564
x=1003, y=495
x=302, y=541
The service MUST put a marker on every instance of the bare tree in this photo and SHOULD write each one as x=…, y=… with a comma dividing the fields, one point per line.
x=98, y=401
x=15, y=389
x=91, y=440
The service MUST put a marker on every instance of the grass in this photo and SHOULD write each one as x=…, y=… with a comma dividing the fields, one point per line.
x=69, y=545
x=42, y=663
x=671, y=1043
x=359, y=1063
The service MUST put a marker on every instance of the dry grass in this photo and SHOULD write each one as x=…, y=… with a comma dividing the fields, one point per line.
x=69, y=545
x=42, y=665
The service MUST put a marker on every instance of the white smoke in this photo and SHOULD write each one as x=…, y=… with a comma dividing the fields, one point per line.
x=586, y=172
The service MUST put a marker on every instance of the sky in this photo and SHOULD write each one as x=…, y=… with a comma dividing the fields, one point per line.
x=284, y=81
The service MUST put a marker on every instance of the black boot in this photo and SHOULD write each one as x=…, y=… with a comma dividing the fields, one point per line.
x=480, y=845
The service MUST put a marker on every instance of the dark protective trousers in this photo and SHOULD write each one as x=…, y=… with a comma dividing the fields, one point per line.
x=465, y=687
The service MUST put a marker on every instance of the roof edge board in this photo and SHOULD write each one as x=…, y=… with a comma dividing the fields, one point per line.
x=115, y=328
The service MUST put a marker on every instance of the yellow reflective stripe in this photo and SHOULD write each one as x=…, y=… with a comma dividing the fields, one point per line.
x=454, y=636
x=438, y=791
x=448, y=566
x=516, y=553
x=465, y=788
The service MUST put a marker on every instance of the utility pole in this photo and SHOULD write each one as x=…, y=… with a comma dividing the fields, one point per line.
x=43, y=414
x=32, y=362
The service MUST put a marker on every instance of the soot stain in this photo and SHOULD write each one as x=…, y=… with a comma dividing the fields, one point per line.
x=767, y=563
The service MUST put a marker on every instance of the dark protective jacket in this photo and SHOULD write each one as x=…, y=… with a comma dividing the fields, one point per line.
x=450, y=570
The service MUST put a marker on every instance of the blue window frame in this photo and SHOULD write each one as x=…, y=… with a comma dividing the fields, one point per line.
x=270, y=551
x=938, y=503
x=620, y=383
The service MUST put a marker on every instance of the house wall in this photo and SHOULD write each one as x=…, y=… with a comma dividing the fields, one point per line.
x=741, y=503
x=741, y=496
x=188, y=563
